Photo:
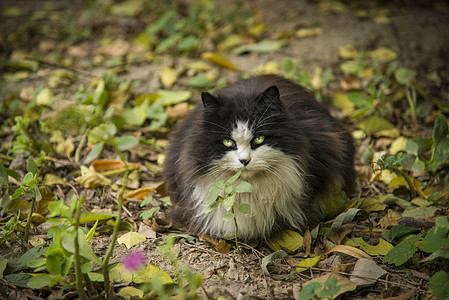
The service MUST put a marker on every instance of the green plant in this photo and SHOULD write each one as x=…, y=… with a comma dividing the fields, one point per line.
x=224, y=194
x=435, y=246
x=316, y=290
x=292, y=70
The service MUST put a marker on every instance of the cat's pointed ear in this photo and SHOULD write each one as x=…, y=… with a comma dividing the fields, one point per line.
x=271, y=96
x=210, y=102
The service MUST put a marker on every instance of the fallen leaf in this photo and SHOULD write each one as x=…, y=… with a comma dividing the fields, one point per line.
x=116, y=48
x=147, y=231
x=219, y=60
x=308, y=32
x=50, y=179
x=109, y=164
x=390, y=219
x=131, y=239
x=139, y=194
x=349, y=250
x=177, y=112
x=90, y=179
x=308, y=263
x=287, y=240
x=366, y=272
x=384, y=54
x=398, y=145
x=130, y=292
x=344, y=285
x=270, y=258
x=347, y=51
x=168, y=76
x=44, y=97
x=381, y=248
x=152, y=273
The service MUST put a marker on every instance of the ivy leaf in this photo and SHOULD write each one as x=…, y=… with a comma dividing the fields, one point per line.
x=403, y=251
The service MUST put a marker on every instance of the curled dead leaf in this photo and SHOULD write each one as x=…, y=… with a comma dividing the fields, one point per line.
x=109, y=164
x=349, y=250
x=139, y=194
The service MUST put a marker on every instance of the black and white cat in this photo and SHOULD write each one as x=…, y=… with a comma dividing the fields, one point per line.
x=287, y=145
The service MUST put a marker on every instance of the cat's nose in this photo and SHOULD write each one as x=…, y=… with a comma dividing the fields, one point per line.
x=245, y=161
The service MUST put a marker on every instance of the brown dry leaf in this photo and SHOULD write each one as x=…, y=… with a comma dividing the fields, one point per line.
x=366, y=272
x=307, y=242
x=109, y=164
x=147, y=231
x=219, y=60
x=308, y=32
x=139, y=194
x=47, y=196
x=390, y=219
x=117, y=48
x=81, y=50
x=345, y=284
x=348, y=51
x=177, y=112
x=349, y=250
x=220, y=245
x=27, y=94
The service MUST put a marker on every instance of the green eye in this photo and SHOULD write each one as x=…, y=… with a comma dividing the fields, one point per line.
x=228, y=143
x=259, y=139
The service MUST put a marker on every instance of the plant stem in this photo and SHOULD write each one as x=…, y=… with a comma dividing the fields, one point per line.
x=407, y=179
x=28, y=225
x=236, y=233
x=411, y=98
x=78, y=273
x=114, y=236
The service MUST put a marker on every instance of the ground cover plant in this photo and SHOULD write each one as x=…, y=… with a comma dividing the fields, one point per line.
x=92, y=90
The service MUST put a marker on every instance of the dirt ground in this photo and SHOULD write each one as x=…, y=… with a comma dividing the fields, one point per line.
x=418, y=31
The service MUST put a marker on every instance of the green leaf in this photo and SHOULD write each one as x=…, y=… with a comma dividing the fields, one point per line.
x=32, y=254
x=39, y=281
x=126, y=142
x=418, y=166
x=170, y=98
x=3, y=264
x=137, y=115
x=201, y=81
x=95, y=152
x=348, y=216
x=229, y=217
x=402, y=230
x=53, y=263
x=435, y=239
x=287, y=65
x=440, y=130
x=150, y=273
x=440, y=285
x=234, y=178
x=3, y=175
x=358, y=98
x=244, y=208
x=330, y=288
x=92, y=217
x=244, y=187
x=403, y=251
x=228, y=202
x=308, y=292
x=375, y=124
x=404, y=76
x=264, y=46
x=214, y=191
x=212, y=206
x=68, y=242
x=19, y=280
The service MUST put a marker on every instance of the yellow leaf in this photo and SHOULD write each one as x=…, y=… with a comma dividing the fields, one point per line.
x=152, y=272
x=65, y=147
x=286, y=240
x=341, y=101
x=139, y=194
x=90, y=179
x=168, y=76
x=384, y=54
x=131, y=239
x=120, y=274
x=60, y=77
x=308, y=32
x=398, y=145
x=347, y=52
x=381, y=248
x=51, y=178
x=218, y=60
x=419, y=201
x=44, y=97
x=349, y=250
x=375, y=203
x=129, y=292
x=307, y=263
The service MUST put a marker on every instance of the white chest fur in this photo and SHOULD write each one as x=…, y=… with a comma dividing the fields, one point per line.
x=278, y=186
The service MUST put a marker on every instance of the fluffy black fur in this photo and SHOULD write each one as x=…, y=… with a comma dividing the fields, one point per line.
x=291, y=121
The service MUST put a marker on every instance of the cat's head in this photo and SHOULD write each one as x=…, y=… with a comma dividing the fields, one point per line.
x=245, y=131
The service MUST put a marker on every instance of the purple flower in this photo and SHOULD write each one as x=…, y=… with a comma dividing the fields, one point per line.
x=134, y=260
